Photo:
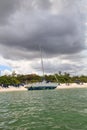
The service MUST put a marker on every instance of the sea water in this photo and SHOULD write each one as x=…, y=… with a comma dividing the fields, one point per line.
x=64, y=109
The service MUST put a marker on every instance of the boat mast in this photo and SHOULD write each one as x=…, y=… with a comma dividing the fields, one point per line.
x=42, y=62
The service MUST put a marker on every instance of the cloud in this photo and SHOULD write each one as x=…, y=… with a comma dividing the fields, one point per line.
x=7, y=7
x=57, y=34
x=57, y=26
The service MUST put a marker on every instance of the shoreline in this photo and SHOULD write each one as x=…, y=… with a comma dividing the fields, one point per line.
x=13, y=89
x=72, y=85
x=61, y=86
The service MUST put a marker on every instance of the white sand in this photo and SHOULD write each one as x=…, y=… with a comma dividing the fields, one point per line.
x=72, y=85
x=62, y=86
x=11, y=88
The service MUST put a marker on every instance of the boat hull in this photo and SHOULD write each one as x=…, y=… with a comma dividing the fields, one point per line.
x=41, y=87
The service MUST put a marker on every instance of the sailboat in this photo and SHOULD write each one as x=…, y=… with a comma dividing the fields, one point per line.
x=44, y=85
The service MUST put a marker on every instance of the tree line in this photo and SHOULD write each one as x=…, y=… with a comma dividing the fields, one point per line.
x=17, y=80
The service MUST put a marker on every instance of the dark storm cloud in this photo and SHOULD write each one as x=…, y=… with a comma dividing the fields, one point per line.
x=7, y=7
x=37, y=24
x=42, y=4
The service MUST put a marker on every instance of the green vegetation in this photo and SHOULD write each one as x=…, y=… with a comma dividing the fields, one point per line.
x=5, y=81
x=23, y=79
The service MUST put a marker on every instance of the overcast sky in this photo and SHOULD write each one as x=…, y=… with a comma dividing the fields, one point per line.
x=58, y=27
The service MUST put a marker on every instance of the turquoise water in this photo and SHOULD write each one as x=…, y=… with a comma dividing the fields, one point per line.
x=44, y=110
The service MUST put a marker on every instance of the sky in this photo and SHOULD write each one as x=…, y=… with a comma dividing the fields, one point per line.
x=57, y=27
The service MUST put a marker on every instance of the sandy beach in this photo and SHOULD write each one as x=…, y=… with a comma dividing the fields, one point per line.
x=61, y=86
x=72, y=85
x=11, y=88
